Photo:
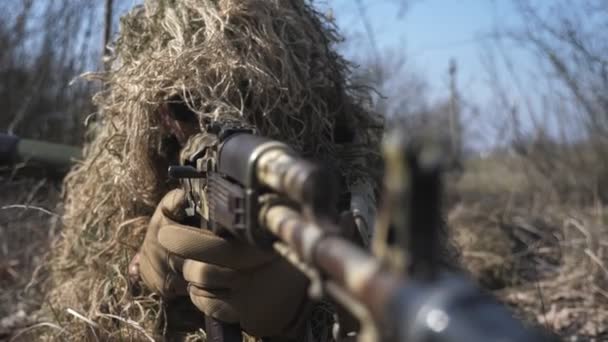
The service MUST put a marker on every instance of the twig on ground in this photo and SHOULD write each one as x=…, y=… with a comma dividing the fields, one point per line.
x=92, y=325
x=35, y=326
x=130, y=323
x=27, y=207
x=597, y=260
x=81, y=317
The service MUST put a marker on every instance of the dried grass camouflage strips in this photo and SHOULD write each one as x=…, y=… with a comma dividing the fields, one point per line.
x=270, y=63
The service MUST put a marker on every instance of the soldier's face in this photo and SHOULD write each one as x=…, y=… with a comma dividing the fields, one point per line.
x=179, y=121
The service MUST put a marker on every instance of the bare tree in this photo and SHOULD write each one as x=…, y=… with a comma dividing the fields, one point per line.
x=557, y=114
x=44, y=47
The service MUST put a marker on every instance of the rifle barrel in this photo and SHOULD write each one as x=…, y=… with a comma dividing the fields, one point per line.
x=13, y=148
x=448, y=309
x=353, y=269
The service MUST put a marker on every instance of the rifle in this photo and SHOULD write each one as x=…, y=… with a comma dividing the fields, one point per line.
x=55, y=157
x=262, y=192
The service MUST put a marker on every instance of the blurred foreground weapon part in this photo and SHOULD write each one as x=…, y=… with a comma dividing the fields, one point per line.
x=412, y=197
x=256, y=189
x=408, y=228
x=435, y=304
x=420, y=302
x=36, y=155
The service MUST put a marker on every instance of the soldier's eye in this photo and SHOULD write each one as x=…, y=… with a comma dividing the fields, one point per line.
x=180, y=110
x=343, y=133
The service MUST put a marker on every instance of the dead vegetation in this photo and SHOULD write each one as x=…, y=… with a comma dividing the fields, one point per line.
x=530, y=219
x=544, y=257
x=28, y=223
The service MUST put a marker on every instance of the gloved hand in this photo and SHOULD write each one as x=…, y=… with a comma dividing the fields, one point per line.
x=237, y=283
x=161, y=270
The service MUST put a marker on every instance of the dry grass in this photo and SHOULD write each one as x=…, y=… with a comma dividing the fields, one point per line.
x=28, y=223
x=545, y=258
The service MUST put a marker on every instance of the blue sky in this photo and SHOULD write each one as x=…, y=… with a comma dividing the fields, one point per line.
x=431, y=32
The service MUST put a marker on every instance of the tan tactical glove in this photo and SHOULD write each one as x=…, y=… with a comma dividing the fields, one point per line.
x=159, y=269
x=237, y=283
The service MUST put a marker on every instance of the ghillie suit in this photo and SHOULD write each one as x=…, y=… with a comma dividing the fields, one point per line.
x=270, y=63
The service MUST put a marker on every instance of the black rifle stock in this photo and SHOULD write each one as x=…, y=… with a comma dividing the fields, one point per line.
x=260, y=191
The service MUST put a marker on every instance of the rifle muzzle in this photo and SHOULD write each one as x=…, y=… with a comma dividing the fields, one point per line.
x=8, y=148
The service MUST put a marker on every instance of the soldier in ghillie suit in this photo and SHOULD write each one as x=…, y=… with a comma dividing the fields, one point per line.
x=176, y=67
x=269, y=64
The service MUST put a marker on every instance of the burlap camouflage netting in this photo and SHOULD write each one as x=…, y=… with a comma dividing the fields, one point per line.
x=271, y=63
